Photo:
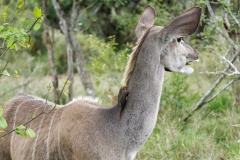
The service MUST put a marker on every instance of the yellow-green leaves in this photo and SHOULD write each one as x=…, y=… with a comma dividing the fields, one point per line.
x=32, y=116
x=37, y=26
x=37, y=12
x=18, y=37
x=10, y=41
x=21, y=131
x=20, y=3
x=30, y=133
x=25, y=132
x=4, y=15
x=5, y=73
x=3, y=123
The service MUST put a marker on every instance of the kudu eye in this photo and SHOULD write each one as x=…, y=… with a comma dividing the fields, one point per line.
x=179, y=39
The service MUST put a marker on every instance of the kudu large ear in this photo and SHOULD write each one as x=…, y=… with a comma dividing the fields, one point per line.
x=186, y=24
x=146, y=20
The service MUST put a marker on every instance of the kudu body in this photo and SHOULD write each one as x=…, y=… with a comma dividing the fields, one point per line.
x=82, y=130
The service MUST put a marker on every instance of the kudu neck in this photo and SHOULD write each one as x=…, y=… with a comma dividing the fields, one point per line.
x=146, y=81
x=144, y=91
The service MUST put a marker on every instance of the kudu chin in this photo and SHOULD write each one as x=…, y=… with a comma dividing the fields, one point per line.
x=82, y=130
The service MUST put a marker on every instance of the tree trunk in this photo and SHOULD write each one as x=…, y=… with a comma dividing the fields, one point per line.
x=81, y=66
x=64, y=27
x=48, y=43
x=72, y=43
x=80, y=60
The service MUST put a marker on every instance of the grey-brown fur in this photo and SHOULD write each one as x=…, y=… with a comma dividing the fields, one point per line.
x=84, y=131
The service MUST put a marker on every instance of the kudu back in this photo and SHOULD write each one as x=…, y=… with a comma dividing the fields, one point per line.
x=82, y=130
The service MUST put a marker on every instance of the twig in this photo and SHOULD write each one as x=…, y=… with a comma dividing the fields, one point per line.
x=221, y=72
x=43, y=112
x=61, y=92
x=201, y=102
x=3, y=69
x=7, y=50
x=30, y=29
x=220, y=91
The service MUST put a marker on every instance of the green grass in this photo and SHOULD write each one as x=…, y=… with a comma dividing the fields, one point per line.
x=213, y=137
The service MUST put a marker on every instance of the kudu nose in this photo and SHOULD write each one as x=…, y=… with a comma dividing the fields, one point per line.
x=194, y=57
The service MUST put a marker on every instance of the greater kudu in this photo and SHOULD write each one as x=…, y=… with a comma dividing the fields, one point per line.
x=82, y=130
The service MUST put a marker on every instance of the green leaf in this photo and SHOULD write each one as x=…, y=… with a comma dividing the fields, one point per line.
x=21, y=133
x=16, y=47
x=1, y=112
x=30, y=23
x=20, y=3
x=20, y=37
x=17, y=131
x=11, y=47
x=37, y=12
x=37, y=26
x=23, y=20
x=5, y=72
x=23, y=32
x=21, y=127
x=3, y=123
x=4, y=35
x=30, y=132
x=10, y=41
x=32, y=116
x=22, y=45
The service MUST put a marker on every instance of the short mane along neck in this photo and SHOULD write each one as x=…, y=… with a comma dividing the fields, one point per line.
x=133, y=58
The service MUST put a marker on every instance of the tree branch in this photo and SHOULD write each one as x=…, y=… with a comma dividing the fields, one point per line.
x=49, y=45
x=4, y=68
x=74, y=13
x=65, y=28
x=221, y=90
x=223, y=73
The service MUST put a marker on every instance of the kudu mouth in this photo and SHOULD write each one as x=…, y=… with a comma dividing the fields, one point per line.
x=186, y=69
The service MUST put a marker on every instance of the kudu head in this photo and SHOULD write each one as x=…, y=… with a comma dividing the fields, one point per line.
x=174, y=53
